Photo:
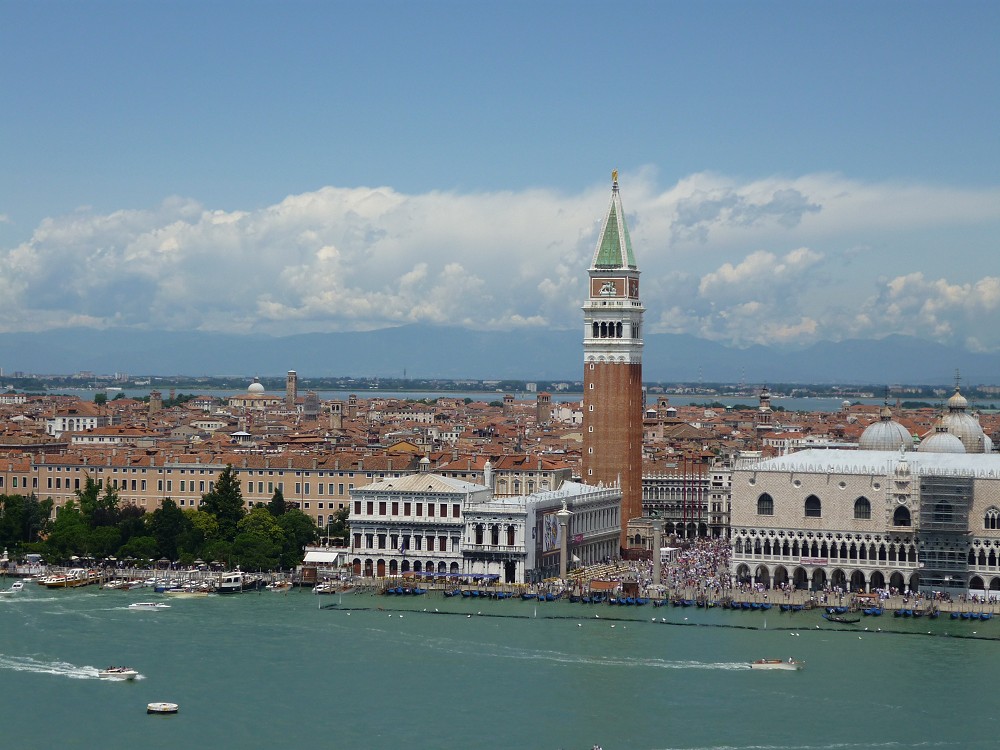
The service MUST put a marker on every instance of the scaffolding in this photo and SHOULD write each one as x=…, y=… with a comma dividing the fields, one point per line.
x=943, y=531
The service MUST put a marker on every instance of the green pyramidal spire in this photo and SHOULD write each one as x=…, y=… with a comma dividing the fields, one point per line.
x=614, y=247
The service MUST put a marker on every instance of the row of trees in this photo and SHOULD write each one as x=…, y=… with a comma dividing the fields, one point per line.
x=96, y=524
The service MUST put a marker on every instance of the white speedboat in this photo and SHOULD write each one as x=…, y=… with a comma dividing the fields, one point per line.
x=788, y=664
x=162, y=708
x=149, y=605
x=118, y=673
x=15, y=588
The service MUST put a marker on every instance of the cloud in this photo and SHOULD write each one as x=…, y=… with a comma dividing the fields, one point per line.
x=961, y=314
x=764, y=261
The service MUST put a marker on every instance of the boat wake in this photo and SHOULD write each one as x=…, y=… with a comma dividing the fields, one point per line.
x=452, y=646
x=58, y=668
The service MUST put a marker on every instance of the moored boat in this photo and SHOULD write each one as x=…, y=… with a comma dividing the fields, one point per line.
x=237, y=582
x=843, y=619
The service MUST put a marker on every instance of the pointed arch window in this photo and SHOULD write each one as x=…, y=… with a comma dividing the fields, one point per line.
x=992, y=519
x=862, y=509
x=901, y=517
x=765, y=505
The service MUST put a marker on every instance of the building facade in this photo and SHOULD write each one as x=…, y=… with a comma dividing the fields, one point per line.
x=612, y=379
x=866, y=520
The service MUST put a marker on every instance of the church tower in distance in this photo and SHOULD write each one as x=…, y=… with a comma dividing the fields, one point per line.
x=612, y=370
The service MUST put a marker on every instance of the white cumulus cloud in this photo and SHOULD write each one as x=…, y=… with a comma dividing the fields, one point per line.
x=772, y=260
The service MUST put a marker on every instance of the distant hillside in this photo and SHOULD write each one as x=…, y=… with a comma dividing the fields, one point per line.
x=438, y=352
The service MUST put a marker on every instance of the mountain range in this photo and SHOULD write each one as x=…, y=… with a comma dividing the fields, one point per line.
x=422, y=352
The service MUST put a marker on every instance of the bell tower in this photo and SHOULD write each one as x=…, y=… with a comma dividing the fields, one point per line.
x=612, y=366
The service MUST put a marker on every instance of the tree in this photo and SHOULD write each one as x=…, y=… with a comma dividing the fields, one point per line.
x=100, y=399
x=225, y=502
x=201, y=528
x=259, y=540
x=166, y=524
x=298, y=530
x=339, y=527
x=277, y=506
x=140, y=548
x=68, y=534
x=98, y=509
x=21, y=518
x=255, y=551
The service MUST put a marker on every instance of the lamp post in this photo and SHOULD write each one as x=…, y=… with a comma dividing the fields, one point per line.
x=563, y=516
x=657, y=542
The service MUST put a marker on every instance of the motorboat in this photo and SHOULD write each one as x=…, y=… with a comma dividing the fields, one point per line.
x=787, y=664
x=149, y=605
x=15, y=588
x=237, y=582
x=118, y=673
x=162, y=708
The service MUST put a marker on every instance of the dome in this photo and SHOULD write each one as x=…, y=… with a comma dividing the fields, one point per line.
x=942, y=441
x=957, y=401
x=963, y=425
x=885, y=435
x=255, y=387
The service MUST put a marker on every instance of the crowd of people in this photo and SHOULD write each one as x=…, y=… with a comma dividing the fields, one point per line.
x=702, y=566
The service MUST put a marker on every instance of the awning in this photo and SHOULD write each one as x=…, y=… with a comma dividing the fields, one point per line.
x=319, y=556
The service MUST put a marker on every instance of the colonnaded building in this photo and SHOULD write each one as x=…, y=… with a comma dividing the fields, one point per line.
x=893, y=514
x=429, y=523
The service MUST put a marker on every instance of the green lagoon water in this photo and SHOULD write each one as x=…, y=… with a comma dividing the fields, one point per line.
x=275, y=670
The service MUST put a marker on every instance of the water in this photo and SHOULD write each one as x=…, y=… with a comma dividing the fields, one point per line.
x=274, y=670
x=809, y=404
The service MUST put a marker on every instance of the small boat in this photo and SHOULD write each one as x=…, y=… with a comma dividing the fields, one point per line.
x=15, y=588
x=118, y=673
x=843, y=619
x=789, y=664
x=162, y=708
x=149, y=605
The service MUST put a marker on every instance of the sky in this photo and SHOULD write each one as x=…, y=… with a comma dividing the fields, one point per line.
x=791, y=172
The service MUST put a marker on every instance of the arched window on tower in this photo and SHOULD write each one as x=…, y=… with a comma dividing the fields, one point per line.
x=597, y=330
x=618, y=330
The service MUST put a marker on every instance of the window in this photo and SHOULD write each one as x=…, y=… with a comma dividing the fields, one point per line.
x=901, y=517
x=765, y=505
x=992, y=520
x=862, y=509
x=813, y=507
